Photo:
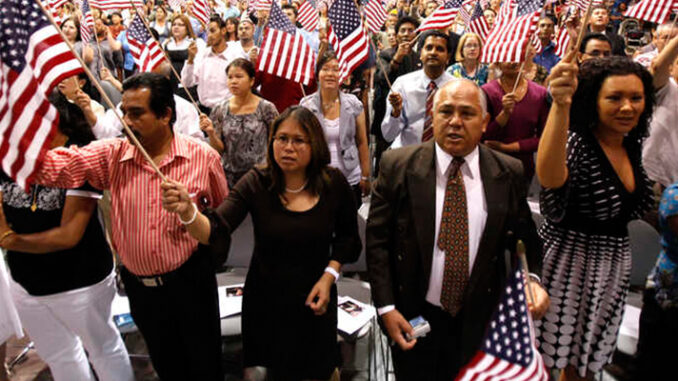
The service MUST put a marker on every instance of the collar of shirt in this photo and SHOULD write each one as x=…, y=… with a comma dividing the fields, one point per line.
x=177, y=149
x=471, y=166
x=210, y=53
x=442, y=79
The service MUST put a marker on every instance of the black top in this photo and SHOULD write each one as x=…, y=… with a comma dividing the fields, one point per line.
x=89, y=262
x=291, y=251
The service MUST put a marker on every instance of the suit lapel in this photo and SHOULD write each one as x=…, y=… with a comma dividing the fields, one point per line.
x=496, y=186
x=422, y=190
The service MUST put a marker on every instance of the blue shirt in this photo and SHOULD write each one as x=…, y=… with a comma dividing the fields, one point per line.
x=664, y=276
x=547, y=58
x=197, y=28
x=129, y=60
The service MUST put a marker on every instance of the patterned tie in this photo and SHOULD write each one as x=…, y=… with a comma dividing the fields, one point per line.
x=453, y=240
x=428, y=119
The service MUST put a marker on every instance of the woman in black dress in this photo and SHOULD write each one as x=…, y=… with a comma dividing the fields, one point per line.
x=594, y=185
x=305, y=228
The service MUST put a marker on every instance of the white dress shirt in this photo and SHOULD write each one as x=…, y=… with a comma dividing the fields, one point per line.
x=187, y=123
x=235, y=50
x=660, y=148
x=408, y=127
x=476, y=206
x=208, y=72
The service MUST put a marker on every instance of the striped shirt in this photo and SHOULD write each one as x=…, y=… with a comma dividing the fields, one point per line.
x=149, y=239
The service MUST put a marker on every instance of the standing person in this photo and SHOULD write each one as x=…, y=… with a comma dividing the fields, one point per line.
x=468, y=63
x=116, y=24
x=420, y=190
x=176, y=47
x=241, y=123
x=71, y=29
x=244, y=47
x=547, y=57
x=660, y=300
x=61, y=267
x=232, y=29
x=343, y=120
x=163, y=268
x=518, y=117
x=305, y=228
x=408, y=118
x=129, y=66
x=160, y=24
x=594, y=184
x=207, y=70
x=598, y=24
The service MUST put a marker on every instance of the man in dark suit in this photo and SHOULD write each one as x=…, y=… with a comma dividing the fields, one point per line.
x=436, y=236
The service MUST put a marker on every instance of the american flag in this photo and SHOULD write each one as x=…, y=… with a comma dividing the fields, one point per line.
x=562, y=42
x=284, y=52
x=375, y=15
x=261, y=5
x=442, y=17
x=87, y=22
x=478, y=24
x=144, y=48
x=656, y=11
x=508, y=351
x=536, y=43
x=347, y=36
x=175, y=4
x=54, y=11
x=33, y=60
x=202, y=11
x=507, y=40
x=583, y=4
x=109, y=5
x=56, y=4
x=308, y=15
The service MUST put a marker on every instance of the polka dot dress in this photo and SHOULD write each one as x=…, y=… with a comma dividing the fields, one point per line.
x=587, y=261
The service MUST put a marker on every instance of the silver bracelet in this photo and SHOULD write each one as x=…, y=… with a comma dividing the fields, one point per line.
x=195, y=215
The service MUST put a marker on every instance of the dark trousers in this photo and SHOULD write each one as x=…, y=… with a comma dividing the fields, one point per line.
x=436, y=356
x=180, y=321
x=658, y=333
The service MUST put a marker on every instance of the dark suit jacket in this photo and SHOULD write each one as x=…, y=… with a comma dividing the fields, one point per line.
x=401, y=230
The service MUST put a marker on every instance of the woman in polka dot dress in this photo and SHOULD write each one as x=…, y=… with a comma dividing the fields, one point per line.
x=594, y=184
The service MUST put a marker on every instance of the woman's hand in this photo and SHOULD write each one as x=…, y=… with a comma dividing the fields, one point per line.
x=83, y=101
x=206, y=124
x=563, y=80
x=175, y=199
x=319, y=297
x=508, y=102
x=365, y=187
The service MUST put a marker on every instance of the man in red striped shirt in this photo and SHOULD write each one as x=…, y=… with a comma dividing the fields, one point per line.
x=169, y=280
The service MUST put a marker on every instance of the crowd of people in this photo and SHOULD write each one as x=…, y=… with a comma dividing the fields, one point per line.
x=445, y=147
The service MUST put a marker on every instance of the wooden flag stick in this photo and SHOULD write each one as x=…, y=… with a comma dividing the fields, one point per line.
x=520, y=72
x=169, y=62
x=520, y=250
x=381, y=64
x=582, y=28
x=96, y=84
x=96, y=39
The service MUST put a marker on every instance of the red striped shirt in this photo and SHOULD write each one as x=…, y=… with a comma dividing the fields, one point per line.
x=149, y=239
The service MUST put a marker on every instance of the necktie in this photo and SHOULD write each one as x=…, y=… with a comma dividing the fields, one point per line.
x=453, y=240
x=428, y=119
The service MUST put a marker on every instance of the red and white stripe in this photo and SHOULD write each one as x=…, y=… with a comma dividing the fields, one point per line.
x=563, y=42
x=375, y=15
x=656, y=11
x=149, y=239
x=109, y=5
x=56, y=4
x=479, y=26
x=261, y=5
x=86, y=26
x=201, y=10
x=28, y=121
x=308, y=16
x=287, y=56
x=486, y=367
x=441, y=18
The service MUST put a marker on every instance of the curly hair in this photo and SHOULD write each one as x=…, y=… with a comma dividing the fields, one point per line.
x=592, y=73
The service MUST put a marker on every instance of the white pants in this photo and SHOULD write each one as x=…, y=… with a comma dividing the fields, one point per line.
x=61, y=324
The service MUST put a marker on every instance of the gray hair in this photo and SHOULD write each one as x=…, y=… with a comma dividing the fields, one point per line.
x=482, y=99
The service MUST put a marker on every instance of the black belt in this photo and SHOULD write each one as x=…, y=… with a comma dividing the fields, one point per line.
x=160, y=280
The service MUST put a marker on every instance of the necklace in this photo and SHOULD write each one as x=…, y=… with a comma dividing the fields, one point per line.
x=330, y=104
x=298, y=190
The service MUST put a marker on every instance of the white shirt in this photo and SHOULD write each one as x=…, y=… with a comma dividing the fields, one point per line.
x=208, y=72
x=235, y=50
x=476, y=206
x=408, y=127
x=661, y=147
x=187, y=123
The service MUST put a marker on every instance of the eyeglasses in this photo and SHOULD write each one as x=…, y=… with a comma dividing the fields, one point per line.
x=296, y=141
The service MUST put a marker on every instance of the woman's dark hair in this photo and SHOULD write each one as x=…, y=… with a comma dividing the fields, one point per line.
x=316, y=171
x=75, y=22
x=325, y=58
x=235, y=21
x=161, y=96
x=72, y=121
x=592, y=73
x=244, y=64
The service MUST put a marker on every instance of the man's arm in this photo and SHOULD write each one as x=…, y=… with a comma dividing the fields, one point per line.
x=71, y=167
x=394, y=120
x=664, y=60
